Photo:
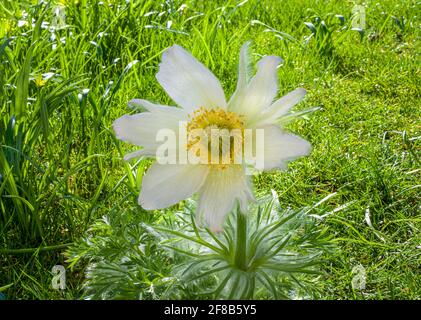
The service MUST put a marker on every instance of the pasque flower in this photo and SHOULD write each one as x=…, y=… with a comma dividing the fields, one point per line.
x=202, y=105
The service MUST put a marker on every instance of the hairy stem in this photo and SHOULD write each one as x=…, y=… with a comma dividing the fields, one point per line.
x=241, y=245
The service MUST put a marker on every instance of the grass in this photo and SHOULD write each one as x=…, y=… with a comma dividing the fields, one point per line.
x=60, y=89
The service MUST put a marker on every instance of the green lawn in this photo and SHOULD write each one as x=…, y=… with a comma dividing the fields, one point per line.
x=61, y=167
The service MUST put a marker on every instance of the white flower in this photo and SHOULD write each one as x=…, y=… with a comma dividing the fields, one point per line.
x=202, y=100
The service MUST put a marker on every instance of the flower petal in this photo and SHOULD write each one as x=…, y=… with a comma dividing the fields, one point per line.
x=281, y=107
x=188, y=82
x=165, y=185
x=244, y=72
x=281, y=147
x=261, y=90
x=141, y=128
x=219, y=194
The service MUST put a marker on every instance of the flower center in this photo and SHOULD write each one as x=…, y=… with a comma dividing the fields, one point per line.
x=216, y=137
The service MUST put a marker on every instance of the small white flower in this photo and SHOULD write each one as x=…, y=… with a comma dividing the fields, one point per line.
x=202, y=100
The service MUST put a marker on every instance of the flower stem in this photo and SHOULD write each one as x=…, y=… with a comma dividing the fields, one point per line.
x=240, y=259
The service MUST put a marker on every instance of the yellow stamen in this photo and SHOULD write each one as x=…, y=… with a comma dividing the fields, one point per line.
x=39, y=81
x=225, y=127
